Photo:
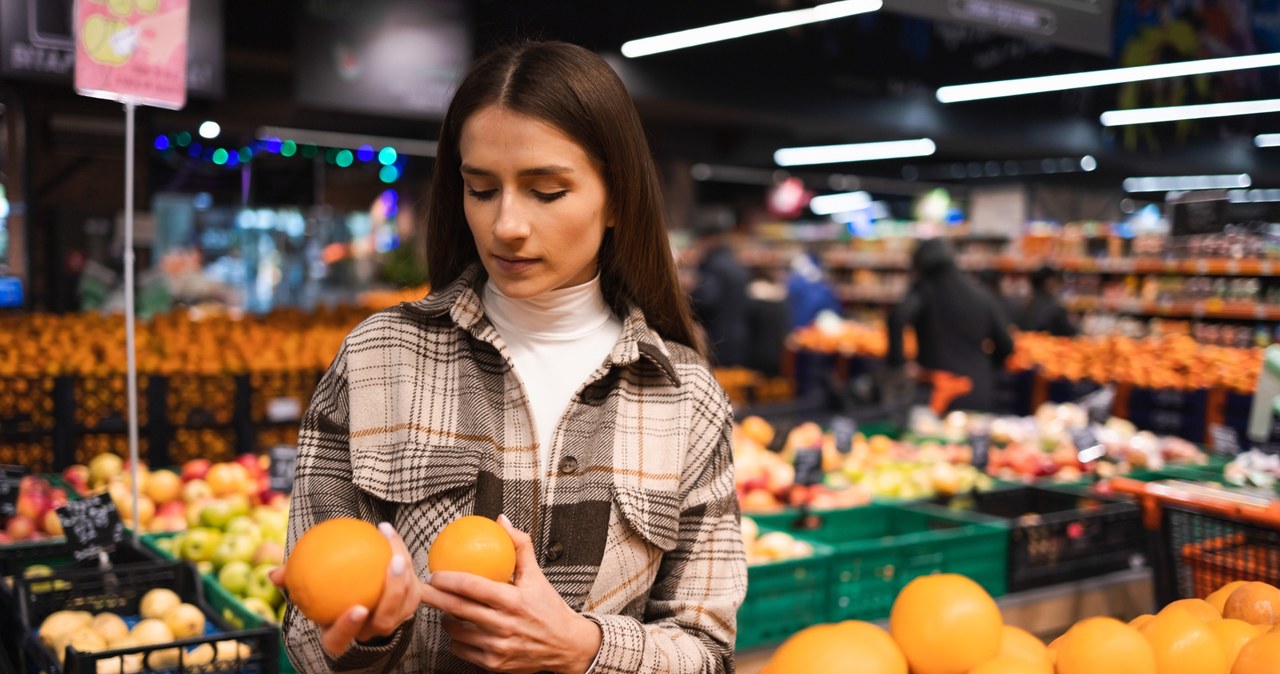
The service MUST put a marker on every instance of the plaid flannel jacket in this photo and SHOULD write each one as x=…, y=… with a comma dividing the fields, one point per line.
x=421, y=420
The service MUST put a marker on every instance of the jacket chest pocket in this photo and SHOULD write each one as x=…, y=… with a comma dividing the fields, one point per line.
x=416, y=472
x=652, y=515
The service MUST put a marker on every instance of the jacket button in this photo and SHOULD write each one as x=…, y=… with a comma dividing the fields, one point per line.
x=555, y=551
x=568, y=465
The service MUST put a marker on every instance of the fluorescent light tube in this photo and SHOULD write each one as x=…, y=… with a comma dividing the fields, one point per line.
x=744, y=27
x=1253, y=196
x=836, y=154
x=839, y=203
x=1267, y=140
x=1184, y=183
x=1096, y=78
x=1176, y=113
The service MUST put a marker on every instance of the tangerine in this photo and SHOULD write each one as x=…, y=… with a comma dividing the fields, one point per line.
x=1021, y=645
x=1259, y=656
x=1255, y=603
x=946, y=624
x=1104, y=646
x=1233, y=634
x=1219, y=597
x=1183, y=644
x=337, y=564
x=1006, y=665
x=850, y=647
x=1201, y=609
x=474, y=544
x=1141, y=620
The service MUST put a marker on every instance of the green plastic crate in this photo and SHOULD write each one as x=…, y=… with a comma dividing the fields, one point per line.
x=879, y=548
x=784, y=598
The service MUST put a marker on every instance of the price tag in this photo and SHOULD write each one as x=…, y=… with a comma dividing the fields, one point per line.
x=808, y=465
x=284, y=409
x=1098, y=404
x=980, y=443
x=843, y=428
x=1225, y=439
x=10, y=485
x=92, y=526
x=284, y=463
x=1087, y=446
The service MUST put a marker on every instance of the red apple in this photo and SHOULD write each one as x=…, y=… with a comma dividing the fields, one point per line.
x=275, y=499
x=195, y=469
x=57, y=498
x=32, y=504
x=21, y=527
x=251, y=464
x=5, y=538
x=173, y=509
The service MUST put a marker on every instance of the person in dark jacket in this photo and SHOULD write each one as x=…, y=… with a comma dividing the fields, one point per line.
x=1043, y=312
x=720, y=294
x=959, y=326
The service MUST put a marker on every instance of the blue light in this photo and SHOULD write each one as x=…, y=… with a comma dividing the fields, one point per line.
x=194, y=150
x=162, y=142
x=273, y=145
x=233, y=158
x=365, y=153
x=391, y=201
x=246, y=154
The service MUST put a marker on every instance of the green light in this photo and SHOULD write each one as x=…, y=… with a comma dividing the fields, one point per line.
x=288, y=148
x=331, y=155
x=183, y=139
x=219, y=156
x=246, y=154
x=344, y=158
x=389, y=174
x=308, y=150
x=387, y=156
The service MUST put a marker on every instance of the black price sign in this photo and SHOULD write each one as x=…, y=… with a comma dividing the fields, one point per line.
x=284, y=463
x=808, y=465
x=980, y=444
x=10, y=486
x=1087, y=446
x=843, y=428
x=92, y=526
x=1225, y=440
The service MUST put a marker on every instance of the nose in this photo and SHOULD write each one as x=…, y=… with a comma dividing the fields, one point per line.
x=510, y=222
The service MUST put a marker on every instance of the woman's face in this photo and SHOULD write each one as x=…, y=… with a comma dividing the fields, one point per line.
x=535, y=202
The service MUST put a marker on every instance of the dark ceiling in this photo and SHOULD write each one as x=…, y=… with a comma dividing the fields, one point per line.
x=870, y=77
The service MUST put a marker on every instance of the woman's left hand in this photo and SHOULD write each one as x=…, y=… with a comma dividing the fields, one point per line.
x=523, y=626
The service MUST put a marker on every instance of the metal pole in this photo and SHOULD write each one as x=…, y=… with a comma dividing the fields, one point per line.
x=130, y=311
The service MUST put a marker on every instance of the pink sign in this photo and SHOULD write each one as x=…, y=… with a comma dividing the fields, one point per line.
x=133, y=51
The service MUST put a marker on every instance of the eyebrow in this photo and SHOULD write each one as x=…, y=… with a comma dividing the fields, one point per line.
x=535, y=171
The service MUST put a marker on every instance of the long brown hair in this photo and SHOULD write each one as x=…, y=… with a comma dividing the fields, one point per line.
x=575, y=91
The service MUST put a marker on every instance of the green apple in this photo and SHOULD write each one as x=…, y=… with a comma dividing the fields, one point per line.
x=234, y=548
x=260, y=608
x=205, y=568
x=217, y=514
x=199, y=545
x=284, y=606
x=261, y=587
x=234, y=577
x=245, y=526
x=239, y=505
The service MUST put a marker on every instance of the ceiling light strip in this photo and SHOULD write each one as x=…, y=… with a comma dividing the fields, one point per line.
x=1177, y=113
x=744, y=27
x=1187, y=183
x=837, y=154
x=1097, y=78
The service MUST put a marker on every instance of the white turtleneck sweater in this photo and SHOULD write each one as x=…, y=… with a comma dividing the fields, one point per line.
x=556, y=340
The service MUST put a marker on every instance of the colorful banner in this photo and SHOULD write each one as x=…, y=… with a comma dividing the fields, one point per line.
x=133, y=51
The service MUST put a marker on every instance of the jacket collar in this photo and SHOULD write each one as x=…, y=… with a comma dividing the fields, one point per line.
x=460, y=300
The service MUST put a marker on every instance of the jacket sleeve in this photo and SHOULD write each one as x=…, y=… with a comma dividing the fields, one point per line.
x=1002, y=343
x=323, y=490
x=690, y=618
x=901, y=316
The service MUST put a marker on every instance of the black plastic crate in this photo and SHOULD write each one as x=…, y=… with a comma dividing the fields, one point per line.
x=120, y=590
x=1059, y=535
x=1207, y=551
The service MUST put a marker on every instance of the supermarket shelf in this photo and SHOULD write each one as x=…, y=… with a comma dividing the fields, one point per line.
x=1211, y=308
x=846, y=260
x=851, y=294
x=1045, y=612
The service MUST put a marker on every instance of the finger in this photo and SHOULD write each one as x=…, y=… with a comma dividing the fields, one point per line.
x=458, y=606
x=466, y=632
x=501, y=596
x=277, y=576
x=389, y=613
x=526, y=557
x=337, y=638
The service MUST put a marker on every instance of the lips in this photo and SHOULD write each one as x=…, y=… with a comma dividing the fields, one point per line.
x=514, y=264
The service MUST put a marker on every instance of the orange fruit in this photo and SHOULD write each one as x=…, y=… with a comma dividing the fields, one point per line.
x=1260, y=656
x=1219, y=597
x=1233, y=635
x=1104, y=646
x=1141, y=620
x=850, y=647
x=474, y=544
x=946, y=624
x=1183, y=644
x=1005, y=665
x=1201, y=609
x=1255, y=603
x=336, y=565
x=1021, y=645
x=164, y=486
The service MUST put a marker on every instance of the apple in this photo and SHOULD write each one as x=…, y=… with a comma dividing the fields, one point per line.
x=269, y=553
x=165, y=523
x=195, y=469
x=284, y=607
x=57, y=498
x=234, y=577
x=196, y=490
x=32, y=502
x=217, y=514
x=234, y=548
x=194, y=509
x=104, y=467
x=261, y=587
x=275, y=499
x=5, y=538
x=240, y=504
x=21, y=528
x=199, y=545
x=172, y=509
x=205, y=568
x=244, y=525
x=251, y=464
x=78, y=477
x=260, y=608
x=51, y=524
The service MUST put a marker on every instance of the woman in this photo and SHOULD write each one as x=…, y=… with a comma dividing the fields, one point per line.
x=552, y=379
x=959, y=328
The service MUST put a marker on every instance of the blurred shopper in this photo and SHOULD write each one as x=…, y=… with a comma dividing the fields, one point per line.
x=808, y=291
x=550, y=380
x=959, y=327
x=1043, y=312
x=768, y=318
x=720, y=293
x=989, y=280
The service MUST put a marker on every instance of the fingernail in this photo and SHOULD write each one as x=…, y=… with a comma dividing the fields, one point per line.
x=358, y=614
x=397, y=565
x=504, y=519
x=387, y=530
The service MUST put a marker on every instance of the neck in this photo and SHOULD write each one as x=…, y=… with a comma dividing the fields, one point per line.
x=564, y=313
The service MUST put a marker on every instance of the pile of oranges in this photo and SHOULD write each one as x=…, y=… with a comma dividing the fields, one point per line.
x=1170, y=361
x=947, y=624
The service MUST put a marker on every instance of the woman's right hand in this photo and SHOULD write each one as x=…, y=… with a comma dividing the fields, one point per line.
x=401, y=597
